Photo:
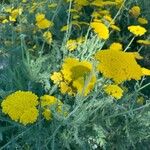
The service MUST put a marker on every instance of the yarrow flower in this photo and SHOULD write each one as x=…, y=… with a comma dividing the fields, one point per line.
x=114, y=91
x=75, y=77
x=47, y=37
x=135, y=11
x=72, y=44
x=116, y=46
x=100, y=29
x=144, y=42
x=137, y=30
x=13, y=13
x=119, y=66
x=42, y=22
x=47, y=102
x=142, y=20
x=21, y=107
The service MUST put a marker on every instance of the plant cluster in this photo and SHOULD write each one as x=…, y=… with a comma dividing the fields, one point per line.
x=71, y=75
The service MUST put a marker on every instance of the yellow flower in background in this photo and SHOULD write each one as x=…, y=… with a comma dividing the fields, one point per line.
x=114, y=91
x=47, y=114
x=137, y=30
x=81, y=3
x=116, y=46
x=15, y=13
x=47, y=37
x=119, y=2
x=47, y=102
x=101, y=30
x=42, y=22
x=71, y=45
x=5, y=21
x=135, y=11
x=144, y=42
x=142, y=20
x=118, y=65
x=21, y=106
x=100, y=3
x=140, y=100
x=109, y=19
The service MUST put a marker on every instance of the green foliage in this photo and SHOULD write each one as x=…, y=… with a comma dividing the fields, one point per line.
x=96, y=121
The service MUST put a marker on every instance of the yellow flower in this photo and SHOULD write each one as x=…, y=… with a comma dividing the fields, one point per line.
x=114, y=91
x=42, y=22
x=5, y=21
x=29, y=116
x=140, y=100
x=116, y=46
x=77, y=77
x=101, y=29
x=65, y=88
x=56, y=77
x=82, y=3
x=21, y=107
x=144, y=42
x=47, y=102
x=47, y=37
x=109, y=19
x=118, y=65
x=142, y=20
x=135, y=11
x=15, y=13
x=137, y=30
x=47, y=114
x=119, y=2
x=71, y=45
x=100, y=3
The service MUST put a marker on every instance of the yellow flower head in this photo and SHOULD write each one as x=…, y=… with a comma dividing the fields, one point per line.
x=71, y=45
x=135, y=11
x=21, y=107
x=100, y=29
x=116, y=46
x=137, y=30
x=119, y=65
x=74, y=74
x=81, y=3
x=47, y=102
x=100, y=3
x=144, y=42
x=114, y=91
x=47, y=37
x=142, y=20
x=42, y=22
x=15, y=13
